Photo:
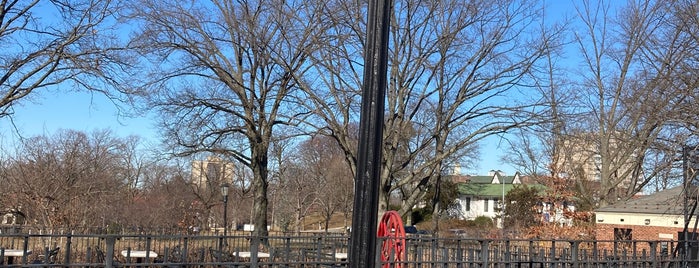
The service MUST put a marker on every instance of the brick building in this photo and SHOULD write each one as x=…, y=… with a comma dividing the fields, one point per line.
x=655, y=217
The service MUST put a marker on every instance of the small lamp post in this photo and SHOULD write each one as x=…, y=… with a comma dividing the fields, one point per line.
x=224, y=193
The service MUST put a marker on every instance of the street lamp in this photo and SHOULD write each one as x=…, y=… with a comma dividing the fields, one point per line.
x=224, y=193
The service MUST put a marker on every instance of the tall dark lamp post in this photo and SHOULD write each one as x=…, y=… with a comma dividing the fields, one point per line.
x=224, y=193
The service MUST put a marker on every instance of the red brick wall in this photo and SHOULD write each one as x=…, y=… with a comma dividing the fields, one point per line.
x=606, y=232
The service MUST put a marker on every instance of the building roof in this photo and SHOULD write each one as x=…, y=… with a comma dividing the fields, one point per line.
x=491, y=185
x=485, y=179
x=489, y=189
x=484, y=189
x=665, y=202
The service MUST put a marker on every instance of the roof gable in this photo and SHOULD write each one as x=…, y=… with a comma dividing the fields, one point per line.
x=491, y=185
x=516, y=179
x=496, y=179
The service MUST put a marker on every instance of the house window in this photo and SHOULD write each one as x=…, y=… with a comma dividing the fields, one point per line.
x=467, y=203
x=486, y=204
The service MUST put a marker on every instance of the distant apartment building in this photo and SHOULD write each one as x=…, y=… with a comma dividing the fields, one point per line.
x=579, y=157
x=212, y=172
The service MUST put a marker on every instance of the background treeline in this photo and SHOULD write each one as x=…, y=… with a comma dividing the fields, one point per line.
x=73, y=179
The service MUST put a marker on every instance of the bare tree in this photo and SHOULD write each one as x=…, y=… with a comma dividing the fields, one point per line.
x=48, y=43
x=629, y=117
x=631, y=94
x=536, y=150
x=615, y=127
x=683, y=29
x=315, y=180
x=167, y=199
x=455, y=74
x=326, y=168
x=221, y=74
x=70, y=179
x=76, y=179
x=282, y=212
x=300, y=192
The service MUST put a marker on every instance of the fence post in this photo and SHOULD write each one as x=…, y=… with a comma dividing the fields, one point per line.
x=484, y=252
x=109, y=258
x=508, y=254
x=25, y=247
x=553, y=257
x=220, y=243
x=459, y=255
x=202, y=256
x=574, y=253
x=653, y=257
x=185, y=249
x=595, y=252
x=68, y=245
x=433, y=249
x=148, y=240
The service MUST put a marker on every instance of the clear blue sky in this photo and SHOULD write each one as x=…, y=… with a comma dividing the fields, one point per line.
x=47, y=112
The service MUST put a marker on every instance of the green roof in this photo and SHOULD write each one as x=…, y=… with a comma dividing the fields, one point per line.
x=489, y=179
x=489, y=189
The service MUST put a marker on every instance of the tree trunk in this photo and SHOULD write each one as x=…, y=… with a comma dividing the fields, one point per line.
x=259, y=167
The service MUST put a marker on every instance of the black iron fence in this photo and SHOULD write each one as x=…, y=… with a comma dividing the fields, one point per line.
x=326, y=250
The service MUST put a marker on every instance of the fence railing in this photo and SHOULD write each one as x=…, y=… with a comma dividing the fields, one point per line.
x=326, y=250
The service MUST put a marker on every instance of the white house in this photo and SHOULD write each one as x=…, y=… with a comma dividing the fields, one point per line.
x=483, y=195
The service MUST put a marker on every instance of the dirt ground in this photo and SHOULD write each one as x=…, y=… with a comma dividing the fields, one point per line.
x=316, y=222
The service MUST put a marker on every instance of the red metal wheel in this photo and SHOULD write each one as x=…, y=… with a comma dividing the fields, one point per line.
x=392, y=233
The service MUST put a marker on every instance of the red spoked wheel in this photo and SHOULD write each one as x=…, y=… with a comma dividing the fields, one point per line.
x=392, y=233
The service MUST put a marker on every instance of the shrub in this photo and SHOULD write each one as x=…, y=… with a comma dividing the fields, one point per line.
x=483, y=222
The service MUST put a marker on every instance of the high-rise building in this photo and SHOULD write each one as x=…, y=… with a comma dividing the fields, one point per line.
x=581, y=158
x=212, y=172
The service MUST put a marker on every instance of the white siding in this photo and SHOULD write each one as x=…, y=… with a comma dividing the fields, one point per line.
x=477, y=208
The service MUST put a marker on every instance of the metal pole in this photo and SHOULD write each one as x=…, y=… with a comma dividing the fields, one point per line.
x=685, y=206
x=224, y=193
x=225, y=215
x=362, y=250
x=502, y=205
